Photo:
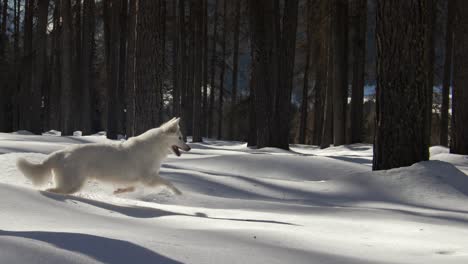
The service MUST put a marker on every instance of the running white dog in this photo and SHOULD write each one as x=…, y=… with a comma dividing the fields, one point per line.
x=126, y=164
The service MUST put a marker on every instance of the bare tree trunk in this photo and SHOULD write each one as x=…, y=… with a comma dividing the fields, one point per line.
x=221, y=75
x=130, y=68
x=459, y=135
x=444, y=121
x=148, y=66
x=40, y=65
x=359, y=64
x=198, y=70
x=213, y=71
x=232, y=134
x=66, y=69
x=305, y=87
x=204, y=122
x=403, y=29
x=115, y=106
x=87, y=65
x=340, y=85
x=327, y=129
x=175, y=63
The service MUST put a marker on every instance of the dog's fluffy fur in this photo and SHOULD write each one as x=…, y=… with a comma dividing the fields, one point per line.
x=126, y=164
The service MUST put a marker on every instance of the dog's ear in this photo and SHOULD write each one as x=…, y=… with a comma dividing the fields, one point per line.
x=171, y=126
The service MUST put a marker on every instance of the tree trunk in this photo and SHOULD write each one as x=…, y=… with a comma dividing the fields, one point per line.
x=359, y=22
x=327, y=128
x=130, y=68
x=221, y=75
x=305, y=87
x=235, y=65
x=213, y=71
x=198, y=70
x=66, y=69
x=30, y=95
x=148, y=66
x=340, y=84
x=459, y=135
x=87, y=64
x=403, y=83
x=115, y=106
x=175, y=63
x=444, y=120
x=204, y=122
x=40, y=66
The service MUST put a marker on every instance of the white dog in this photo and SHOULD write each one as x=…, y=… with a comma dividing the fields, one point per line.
x=136, y=160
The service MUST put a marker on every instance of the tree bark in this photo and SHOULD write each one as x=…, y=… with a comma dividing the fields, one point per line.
x=444, y=120
x=130, y=68
x=305, y=87
x=403, y=29
x=87, y=64
x=340, y=85
x=221, y=75
x=198, y=70
x=148, y=66
x=66, y=68
x=359, y=22
x=213, y=71
x=232, y=134
x=459, y=135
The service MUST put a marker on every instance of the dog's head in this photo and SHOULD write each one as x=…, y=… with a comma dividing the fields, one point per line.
x=174, y=137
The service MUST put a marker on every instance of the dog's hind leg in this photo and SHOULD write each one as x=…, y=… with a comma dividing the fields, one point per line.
x=66, y=183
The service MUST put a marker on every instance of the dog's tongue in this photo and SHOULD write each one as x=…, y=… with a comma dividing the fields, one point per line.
x=176, y=150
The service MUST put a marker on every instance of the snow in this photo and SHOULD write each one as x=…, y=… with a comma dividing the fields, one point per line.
x=241, y=205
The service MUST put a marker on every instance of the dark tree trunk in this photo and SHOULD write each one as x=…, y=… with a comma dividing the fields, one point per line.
x=115, y=106
x=54, y=94
x=320, y=19
x=87, y=65
x=232, y=134
x=76, y=107
x=327, y=127
x=221, y=75
x=444, y=120
x=130, y=68
x=213, y=71
x=359, y=22
x=6, y=102
x=66, y=68
x=40, y=65
x=30, y=94
x=148, y=66
x=204, y=122
x=183, y=68
x=459, y=135
x=175, y=63
x=305, y=87
x=403, y=83
x=198, y=70
x=340, y=60
x=273, y=65
x=16, y=56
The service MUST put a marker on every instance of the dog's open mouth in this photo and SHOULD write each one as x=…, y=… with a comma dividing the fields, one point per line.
x=176, y=150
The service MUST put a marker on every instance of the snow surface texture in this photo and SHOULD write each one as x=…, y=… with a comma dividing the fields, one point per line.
x=241, y=205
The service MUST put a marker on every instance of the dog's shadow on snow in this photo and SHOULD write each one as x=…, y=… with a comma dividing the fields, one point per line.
x=102, y=249
x=147, y=212
x=131, y=211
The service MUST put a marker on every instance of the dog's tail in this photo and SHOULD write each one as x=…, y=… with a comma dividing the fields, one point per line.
x=38, y=174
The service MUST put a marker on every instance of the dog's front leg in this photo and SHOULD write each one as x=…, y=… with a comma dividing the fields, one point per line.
x=156, y=181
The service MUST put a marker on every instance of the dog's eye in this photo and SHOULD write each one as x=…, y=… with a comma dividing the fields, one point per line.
x=180, y=138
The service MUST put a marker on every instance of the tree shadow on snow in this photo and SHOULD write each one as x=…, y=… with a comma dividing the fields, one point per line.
x=103, y=249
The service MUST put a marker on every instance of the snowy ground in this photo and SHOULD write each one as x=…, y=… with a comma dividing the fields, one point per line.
x=241, y=205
